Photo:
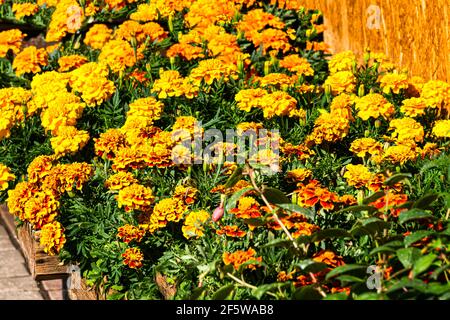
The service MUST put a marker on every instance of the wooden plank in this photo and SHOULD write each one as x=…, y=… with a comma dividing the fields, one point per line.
x=415, y=34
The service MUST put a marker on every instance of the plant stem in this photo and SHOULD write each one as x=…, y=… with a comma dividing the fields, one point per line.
x=248, y=285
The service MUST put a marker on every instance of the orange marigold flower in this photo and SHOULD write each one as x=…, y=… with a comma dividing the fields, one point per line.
x=135, y=197
x=118, y=55
x=52, y=237
x=41, y=209
x=241, y=184
x=129, y=233
x=193, y=225
x=363, y=146
x=390, y=203
x=357, y=175
x=239, y=257
x=376, y=183
x=187, y=194
x=67, y=63
x=302, y=152
x=299, y=175
x=30, y=60
x=247, y=208
x=126, y=158
x=149, y=108
x=120, y=180
x=109, y=143
x=400, y=154
x=278, y=80
x=97, y=36
x=21, y=10
x=212, y=69
x=283, y=276
x=39, y=168
x=329, y=257
x=249, y=98
x=341, y=106
x=304, y=229
x=133, y=258
x=393, y=82
x=312, y=193
x=348, y=200
x=19, y=196
x=279, y=103
x=186, y=51
x=329, y=127
x=10, y=40
x=341, y=82
x=165, y=211
x=231, y=231
x=374, y=105
x=299, y=65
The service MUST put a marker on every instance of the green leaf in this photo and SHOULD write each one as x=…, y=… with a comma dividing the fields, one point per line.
x=343, y=269
x=307, y=293
x=260, y=291
x=349, y=278
x=275, y=196
x=408, y=283
x=370, y=226
x=329, y=234
x=197, y=293
x=396, y=178
x=380, y=249
x=224, y=292
x=230, y=203
x=336, y=296
x=277, y=243
x=374, y=197
x=296, y=208
x=369, y=296
x=370, y=209
x=414, y=214
x=423, y=263
x=310, y=265
x=234, y=178
x=416, y=236
x=426, y=201
x=408, y=256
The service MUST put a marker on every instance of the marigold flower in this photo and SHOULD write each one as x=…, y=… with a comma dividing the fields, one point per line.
x=299, y=65
x=30, y=60
x=342, y=61
x=52, y=238
x=120, y=180
x=394, y=82
x=312, y=193
x=279, y=103
x=441, y=129
x=210, y=70
x=341, y=106
x=135, y=197
x=69, y=140
x=186, y=51
x=374, y=105
x=149, y=108
x=366, y=146
x=247, y=208
x=67, y=63
x=109, y=143
x=399, y=154
x=278, y=80
x=187, y=194
x=5, y=177
x=19, y=196
x=341, y=82
x=21, y=10
x=329, y=257
x=329, y=127
x=237, y=258
x=390, y=203
x=128, y=233
x=249, y=98
x=11, y=40
x=39, y=168
x=73, y=175
x=193, y=225
x=299, y=175
x=406, y=129
x=231, y=231
x=165, y=211
x=118, y=55
x=348, y=200
x=67, y=18
x=357, y=175
x=413, y=107
x=304, y=229
x=133, y=258
x=436, y=93
x=41, y=209
x=97, y=36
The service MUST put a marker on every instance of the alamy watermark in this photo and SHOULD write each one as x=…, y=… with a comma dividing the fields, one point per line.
x=374, y=280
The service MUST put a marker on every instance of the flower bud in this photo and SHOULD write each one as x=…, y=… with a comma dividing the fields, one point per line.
x=366, y=57
x=397, y=169
x=328, y=91
x=266, y=68
x=218, y=213
x=377, y=123
x=170, y=22
x=361, y=91
x=366, y=133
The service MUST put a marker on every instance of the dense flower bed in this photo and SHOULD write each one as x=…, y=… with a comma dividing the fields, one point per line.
x=115, y=143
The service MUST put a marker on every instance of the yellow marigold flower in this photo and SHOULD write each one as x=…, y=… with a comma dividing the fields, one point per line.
x=109, y=143
x=249, y=98
x=184, y=127
x=12, y=103
x=135, y=197
x=193, y=225
x=126, y=158
x=363, y=146
x=236, y=259
x=441, y=129
x=52, y=238
x=69, y=140
x=187, y=194
x=329, y=127
x=165, y=211
x=279, y=80
x=394, y=82
x=277, y=103
x=41, y=209
x=39, y=168
x=406, y=129
x=64, y=110
x=258, y=19
x=299, y=175
x=149, y=108
x=430, y=150
x=7, y=121
x=21, y=10
x=203, y=13
x=342, y=106
x=67, y=18
x=30, y=60
x=299, y=65
x=270, y=39
x=245, y=126
x=374, y=105
x=436, y=93
x=210, y=70
x=341, y=82
x=97, y=36
x=415, y=86
x=357, y=175
x=158, y=151
x=154, y=31
x=399, y=154
x=159, y=9
x=10, y=40
x=18, y=197
x=129, y=233
x=133, y=258
x=413, y=107
x=67, y=63
x=169, y=84
x=118, y=55
x=342, y=61
x=65, y=177
x=5, y=177
x=120, y=180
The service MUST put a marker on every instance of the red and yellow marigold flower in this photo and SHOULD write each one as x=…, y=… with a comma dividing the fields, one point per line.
x=237, y=258
x=120, y=180
x=135, y=197
x=5, y=177
x=133, y=257
x=128, y=233
x=109, y=143
x=357, y=175
x=231, y=231
x=312, y=193
x=193, y=226
x=52, y=238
